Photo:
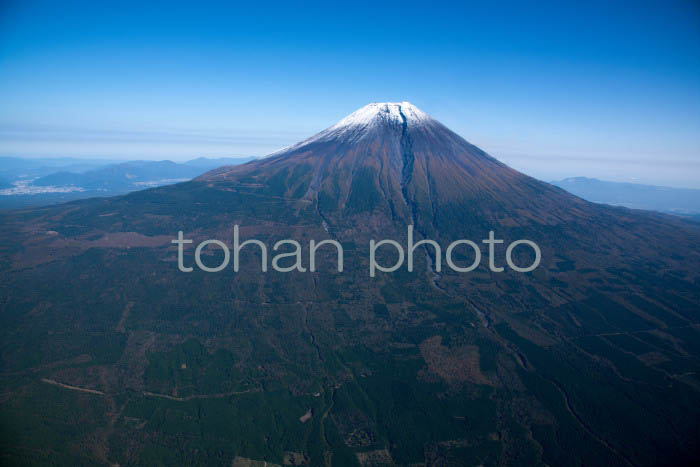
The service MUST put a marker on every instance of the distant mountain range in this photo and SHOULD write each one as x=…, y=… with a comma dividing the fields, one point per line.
x=679, y=201
x=37, y=182
x=123, y=177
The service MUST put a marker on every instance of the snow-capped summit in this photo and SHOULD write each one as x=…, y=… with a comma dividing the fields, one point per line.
x=372, y=118
x=404, y=146
x=393, y=157
x=397, y=112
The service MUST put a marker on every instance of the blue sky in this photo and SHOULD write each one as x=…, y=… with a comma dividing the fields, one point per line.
x=610, y=90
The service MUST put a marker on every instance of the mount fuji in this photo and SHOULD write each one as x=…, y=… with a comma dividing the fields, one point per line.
x=110, y=354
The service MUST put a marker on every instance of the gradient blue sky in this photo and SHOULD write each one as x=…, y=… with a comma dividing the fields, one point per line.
x=610, y=90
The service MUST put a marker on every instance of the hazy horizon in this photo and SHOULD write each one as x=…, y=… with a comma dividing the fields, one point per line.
x=524, y=164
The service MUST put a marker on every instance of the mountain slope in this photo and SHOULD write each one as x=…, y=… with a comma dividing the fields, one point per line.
x=429, y=367
x=400, y=159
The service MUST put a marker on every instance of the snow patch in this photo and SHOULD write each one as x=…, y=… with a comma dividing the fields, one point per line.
x=358, y=123
x=387, y=111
